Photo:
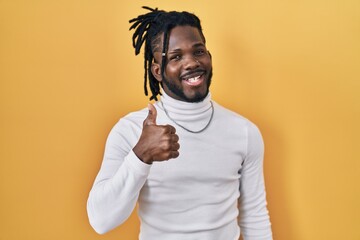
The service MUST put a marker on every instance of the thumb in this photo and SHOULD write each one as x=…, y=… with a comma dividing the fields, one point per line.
x=151, y=117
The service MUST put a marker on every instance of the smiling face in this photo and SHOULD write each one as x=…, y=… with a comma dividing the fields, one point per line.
x=188, y=69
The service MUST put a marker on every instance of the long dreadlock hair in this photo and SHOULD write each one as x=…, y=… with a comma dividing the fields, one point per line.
x=149, y=28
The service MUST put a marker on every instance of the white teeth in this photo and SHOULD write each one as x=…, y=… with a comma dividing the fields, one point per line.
x=194, y=79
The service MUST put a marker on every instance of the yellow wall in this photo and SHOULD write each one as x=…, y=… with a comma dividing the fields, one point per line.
x=68, y=73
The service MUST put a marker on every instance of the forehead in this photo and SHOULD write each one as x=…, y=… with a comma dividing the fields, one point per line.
x=182, y=37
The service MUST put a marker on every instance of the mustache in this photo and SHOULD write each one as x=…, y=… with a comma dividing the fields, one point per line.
x=192, y=73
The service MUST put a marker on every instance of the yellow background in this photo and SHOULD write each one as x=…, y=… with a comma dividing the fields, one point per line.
x=68, y=73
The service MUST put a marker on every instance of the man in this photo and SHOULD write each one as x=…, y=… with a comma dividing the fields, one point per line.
x=194, y=167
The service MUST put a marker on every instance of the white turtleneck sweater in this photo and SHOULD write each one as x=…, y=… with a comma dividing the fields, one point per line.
x=195, y=196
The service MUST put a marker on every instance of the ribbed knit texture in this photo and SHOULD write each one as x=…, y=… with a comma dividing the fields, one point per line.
x=194, y=196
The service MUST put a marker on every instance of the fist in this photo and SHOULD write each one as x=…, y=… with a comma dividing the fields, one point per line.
x=157, y=142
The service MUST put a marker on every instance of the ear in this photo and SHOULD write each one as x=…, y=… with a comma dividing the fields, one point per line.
x=156, y=71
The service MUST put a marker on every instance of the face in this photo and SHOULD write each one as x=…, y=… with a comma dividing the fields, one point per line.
x=188, y=70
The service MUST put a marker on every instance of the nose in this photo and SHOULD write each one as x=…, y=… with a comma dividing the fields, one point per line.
x=191, y=63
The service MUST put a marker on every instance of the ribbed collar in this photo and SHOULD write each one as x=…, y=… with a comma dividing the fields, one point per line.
x=193, y=116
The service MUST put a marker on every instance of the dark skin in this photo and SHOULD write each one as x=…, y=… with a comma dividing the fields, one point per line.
x=187, y=78
x=187, y=59
x=157, y=142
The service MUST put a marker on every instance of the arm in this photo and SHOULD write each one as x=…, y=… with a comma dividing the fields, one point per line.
x=125, y=168
x=254, y=217
x=118, y=183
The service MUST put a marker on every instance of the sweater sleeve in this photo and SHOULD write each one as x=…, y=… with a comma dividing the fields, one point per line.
x=254, y=219
x=117, y=186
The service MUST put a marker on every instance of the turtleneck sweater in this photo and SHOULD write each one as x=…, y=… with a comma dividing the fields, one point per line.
x=212, y=191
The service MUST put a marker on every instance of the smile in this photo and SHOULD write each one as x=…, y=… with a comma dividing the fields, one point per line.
x=194, y=81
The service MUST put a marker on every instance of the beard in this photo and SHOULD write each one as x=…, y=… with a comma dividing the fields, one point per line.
x=180, y=93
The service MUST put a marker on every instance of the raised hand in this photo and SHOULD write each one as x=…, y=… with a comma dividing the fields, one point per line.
x=157, y=142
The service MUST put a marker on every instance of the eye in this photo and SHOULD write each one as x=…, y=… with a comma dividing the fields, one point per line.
x=175, y=58
x=199, y=52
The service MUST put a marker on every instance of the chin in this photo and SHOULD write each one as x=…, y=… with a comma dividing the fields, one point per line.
x=198, y=97
x=194, y=96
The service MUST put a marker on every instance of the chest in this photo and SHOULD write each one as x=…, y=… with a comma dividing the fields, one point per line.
x=206, y=159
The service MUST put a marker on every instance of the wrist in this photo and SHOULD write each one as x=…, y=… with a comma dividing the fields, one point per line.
x=142, y=156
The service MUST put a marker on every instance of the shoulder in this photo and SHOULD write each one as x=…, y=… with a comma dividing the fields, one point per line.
x=231, y=121
x=131, y=121
x=225, y=114
x=126, y=130
x=136, y=116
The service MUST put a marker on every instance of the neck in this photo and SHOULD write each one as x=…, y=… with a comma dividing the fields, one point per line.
x=183, y=105
x=193, y=117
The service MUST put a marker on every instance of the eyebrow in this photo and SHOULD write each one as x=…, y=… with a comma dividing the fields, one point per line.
x=199, y=44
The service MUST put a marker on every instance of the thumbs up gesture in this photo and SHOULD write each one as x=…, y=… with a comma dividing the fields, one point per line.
x=157, y=142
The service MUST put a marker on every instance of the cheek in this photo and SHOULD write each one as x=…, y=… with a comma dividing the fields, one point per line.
x=209, y=64
x=208, y=61
x=172, y=71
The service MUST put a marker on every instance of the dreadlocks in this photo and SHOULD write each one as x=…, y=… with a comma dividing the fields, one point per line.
x=149, y=28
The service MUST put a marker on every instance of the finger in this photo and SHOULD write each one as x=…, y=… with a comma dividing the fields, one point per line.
x=174, y=138
x=173, y=130
x=174, y=154
x=170, y=129
x=175, y=147
x=151, y=117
